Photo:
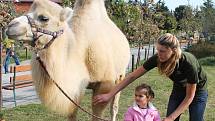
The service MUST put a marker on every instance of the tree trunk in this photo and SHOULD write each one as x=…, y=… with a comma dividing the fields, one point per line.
x=0, y=68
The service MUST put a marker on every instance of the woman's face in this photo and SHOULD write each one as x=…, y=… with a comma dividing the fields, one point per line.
x=141, y=99
x=164, y=53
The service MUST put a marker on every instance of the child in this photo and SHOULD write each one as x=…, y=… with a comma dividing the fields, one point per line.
x=10, y=52
x=142, y=109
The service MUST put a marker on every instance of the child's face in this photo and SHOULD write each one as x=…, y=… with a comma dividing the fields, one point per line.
x=141, y=99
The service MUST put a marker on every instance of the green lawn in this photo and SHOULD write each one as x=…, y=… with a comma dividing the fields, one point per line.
x=161, y=85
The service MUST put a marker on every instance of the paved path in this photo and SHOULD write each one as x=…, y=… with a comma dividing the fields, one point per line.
x=25, y=95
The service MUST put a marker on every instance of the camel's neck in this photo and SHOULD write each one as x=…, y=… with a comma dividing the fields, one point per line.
x=55, y=56
x=63, y=60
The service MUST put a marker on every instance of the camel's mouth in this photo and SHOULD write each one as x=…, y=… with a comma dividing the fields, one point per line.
x=14, y=33
x=20, y=35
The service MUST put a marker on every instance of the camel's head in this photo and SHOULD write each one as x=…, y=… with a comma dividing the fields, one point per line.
x=45, y=21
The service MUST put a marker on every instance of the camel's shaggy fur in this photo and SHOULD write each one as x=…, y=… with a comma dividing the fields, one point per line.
x=91, y=49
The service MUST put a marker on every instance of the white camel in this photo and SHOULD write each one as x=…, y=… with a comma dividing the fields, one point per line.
x=91, y=51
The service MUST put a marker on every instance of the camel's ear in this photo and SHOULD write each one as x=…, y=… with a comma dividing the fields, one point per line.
x=65, y=14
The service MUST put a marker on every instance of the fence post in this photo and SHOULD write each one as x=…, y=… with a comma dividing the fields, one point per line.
x=148, y=51
x=132, y=63
x=153, y=52
x=26, y=53
x=145, y=53
x=138, y=57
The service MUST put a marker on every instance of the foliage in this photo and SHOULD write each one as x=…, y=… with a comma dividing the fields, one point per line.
x=143, y=21
x=202, y=50
x=181, y=12
x=170, y=23
x=161, y=7
x=163, y=17
x=188, y=19
x=1, y=116
x=68, y=3
x=129, y=17
x=7, y=13
x=208, y=17
x=208, y=61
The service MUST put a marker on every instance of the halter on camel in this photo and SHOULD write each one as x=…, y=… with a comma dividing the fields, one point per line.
x=35, y=29
x=41, y=30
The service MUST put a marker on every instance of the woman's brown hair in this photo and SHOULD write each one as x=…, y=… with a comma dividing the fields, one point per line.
x=169, y=41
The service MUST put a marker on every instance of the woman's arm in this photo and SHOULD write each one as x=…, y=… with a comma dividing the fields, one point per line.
x=190, y=93
x=130, y=78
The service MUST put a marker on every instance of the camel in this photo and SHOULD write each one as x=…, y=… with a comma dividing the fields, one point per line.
x=90, y=51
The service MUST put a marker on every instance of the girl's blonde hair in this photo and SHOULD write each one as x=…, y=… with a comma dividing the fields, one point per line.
x=169, y=41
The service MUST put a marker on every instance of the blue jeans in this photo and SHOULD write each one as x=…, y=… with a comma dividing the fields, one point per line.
x=7, y=59
x=196, y=108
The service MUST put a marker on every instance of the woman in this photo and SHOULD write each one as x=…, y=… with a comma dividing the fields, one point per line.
x=189, y=79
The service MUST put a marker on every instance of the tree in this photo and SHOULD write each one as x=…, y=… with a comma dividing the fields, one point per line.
x=68, y=3
x=188, y=19
x=208, y=17
x=126, y=16
x=7, y=13
x=170, y=23
x=164, y=18
x=180, y=12
x=161, y=7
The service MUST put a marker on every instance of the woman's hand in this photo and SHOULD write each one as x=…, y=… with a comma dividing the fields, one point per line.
x=101, y=98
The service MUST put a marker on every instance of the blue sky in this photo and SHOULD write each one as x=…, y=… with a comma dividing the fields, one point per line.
x=172, y=4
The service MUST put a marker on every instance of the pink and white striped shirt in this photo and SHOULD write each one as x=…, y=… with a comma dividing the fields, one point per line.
x=135, y=113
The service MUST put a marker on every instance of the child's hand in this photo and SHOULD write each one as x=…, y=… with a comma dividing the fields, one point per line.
x=12, y=53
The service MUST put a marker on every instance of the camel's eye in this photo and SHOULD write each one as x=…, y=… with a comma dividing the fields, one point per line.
x=43, y=18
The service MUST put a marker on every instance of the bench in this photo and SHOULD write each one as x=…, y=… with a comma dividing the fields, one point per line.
x=19, y=79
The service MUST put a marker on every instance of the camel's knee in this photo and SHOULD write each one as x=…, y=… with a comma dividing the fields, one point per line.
x=72, y=116
x=98, y=110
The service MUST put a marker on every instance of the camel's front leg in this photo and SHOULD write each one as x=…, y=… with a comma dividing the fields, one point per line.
x=101, y=88
x=73, y=115
x=114, y=106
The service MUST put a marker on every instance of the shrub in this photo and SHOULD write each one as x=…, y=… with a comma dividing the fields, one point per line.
x=208, y=61
x=202, y=50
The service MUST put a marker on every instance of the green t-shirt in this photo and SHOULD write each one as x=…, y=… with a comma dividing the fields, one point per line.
x=187, y=70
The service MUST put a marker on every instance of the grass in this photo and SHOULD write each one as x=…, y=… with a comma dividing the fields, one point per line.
x=161, y=85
